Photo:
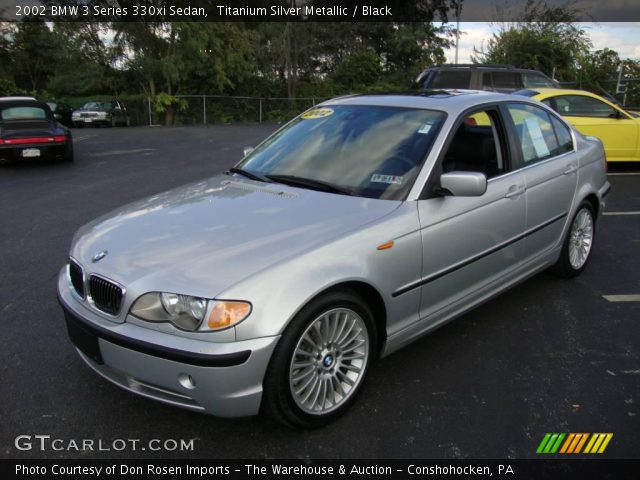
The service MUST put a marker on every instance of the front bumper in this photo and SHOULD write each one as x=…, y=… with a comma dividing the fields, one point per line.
x=91, y=120
x=223, y=379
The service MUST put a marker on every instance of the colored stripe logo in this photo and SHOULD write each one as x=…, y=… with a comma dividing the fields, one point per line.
x=574, y=443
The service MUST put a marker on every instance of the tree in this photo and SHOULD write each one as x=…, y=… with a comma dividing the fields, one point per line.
x=86, y=62
x=171, y=58
x=596, y=68
x=548, y=39
x=34, y=51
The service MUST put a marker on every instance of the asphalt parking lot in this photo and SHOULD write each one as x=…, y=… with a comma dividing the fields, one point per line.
x=548, y=356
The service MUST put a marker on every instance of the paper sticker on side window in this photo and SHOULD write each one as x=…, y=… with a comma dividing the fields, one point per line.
x=537, y=138
x=389, y=179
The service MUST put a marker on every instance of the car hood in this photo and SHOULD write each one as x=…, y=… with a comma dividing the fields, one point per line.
x=202, y=238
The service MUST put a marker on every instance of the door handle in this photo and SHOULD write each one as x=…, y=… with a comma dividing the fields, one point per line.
x=515, y=191
x=570, y=169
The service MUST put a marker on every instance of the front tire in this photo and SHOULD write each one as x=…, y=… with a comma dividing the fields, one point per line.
x=578, y=243
x=321, y=361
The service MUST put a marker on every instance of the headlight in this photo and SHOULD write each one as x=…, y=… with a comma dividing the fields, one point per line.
x=103, y=115
x=188, y=313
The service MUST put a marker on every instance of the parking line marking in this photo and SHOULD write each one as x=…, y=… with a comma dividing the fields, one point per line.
x=622, y=213
x=620, y=174
x=121, y=152
x=84, y=137
x=622, y=298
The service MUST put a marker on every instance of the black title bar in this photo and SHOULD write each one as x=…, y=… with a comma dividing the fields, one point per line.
x=556, y=469
x=309, y=10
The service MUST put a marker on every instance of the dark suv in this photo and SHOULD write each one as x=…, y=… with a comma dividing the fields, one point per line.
x=499, y=78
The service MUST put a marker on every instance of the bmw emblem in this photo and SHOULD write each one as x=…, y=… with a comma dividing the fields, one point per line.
x=99, y=256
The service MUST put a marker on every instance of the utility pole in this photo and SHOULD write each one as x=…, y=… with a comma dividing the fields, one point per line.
x=457, y=29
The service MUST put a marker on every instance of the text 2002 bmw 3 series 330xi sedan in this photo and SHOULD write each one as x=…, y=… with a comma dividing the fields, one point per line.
x=359, y=226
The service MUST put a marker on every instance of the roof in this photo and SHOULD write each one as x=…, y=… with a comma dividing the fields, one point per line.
x=564, y=91
x=10, y=99
x=445, y=99
x=22, y=102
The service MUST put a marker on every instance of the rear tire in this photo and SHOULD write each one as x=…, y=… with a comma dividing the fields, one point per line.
x=321, y=361
x=68, y=155
x=578, y=243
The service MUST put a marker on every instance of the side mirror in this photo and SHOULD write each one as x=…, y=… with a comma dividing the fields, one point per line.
x=247, y=150
x=463, y=184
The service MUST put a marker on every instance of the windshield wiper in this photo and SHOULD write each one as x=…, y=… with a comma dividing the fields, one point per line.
x=310, y=183
x=248, y=174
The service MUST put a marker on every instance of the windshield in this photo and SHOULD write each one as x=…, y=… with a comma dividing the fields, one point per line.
x=96, y=106
x=369, y=151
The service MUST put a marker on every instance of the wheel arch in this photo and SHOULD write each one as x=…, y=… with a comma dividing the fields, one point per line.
x=372, y=297
x=592, y=198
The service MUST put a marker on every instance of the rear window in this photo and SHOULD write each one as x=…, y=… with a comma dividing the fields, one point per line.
x=23, y=113
x=450, y=79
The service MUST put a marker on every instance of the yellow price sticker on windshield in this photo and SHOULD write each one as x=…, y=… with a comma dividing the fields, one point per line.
x=317, y=113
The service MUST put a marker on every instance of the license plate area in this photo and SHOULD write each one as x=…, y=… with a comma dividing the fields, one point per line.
x=83, y=338
x=30, y=152
x=87, y=120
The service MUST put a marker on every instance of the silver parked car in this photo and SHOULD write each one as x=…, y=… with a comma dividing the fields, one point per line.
x=359, y=226
x=108, y=113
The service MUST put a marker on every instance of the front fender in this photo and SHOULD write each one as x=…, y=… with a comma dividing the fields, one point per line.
x=280, y=291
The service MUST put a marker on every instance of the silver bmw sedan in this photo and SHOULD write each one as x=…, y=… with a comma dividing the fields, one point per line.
x=361, y=225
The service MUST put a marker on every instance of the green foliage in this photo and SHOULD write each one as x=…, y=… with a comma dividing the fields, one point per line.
x=33, y=53
x=547, y=39
x=9, y=88
x=597, y=68
x=363, y=67
x=163, y=102
x=552, y=48
x=302, y=62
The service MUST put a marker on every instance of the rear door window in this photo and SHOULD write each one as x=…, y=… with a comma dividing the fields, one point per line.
x=536, y=135
x=451, y=79
x=533, y=80
x=502, y=80
x=565, y=140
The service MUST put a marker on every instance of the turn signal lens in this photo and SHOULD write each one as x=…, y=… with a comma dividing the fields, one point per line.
x=385, y=246
x=226, y=314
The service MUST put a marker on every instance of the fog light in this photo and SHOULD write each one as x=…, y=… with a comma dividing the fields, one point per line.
x=187, y=381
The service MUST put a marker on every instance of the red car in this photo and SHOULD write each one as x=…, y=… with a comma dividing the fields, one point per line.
x=29, y=131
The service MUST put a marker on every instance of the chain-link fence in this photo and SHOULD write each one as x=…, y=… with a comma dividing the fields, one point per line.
x=207, y=109
x=212, y=109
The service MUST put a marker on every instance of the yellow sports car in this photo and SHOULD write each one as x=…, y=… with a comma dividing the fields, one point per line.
x=591, y=114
